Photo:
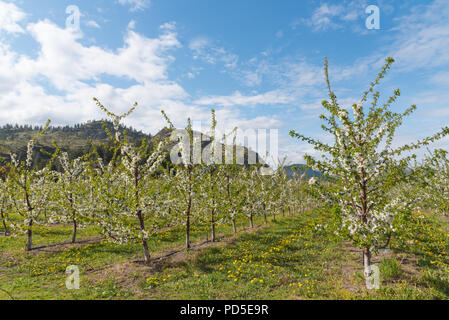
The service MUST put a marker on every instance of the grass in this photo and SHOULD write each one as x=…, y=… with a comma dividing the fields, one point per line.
x=390, y=268
x=292, y=258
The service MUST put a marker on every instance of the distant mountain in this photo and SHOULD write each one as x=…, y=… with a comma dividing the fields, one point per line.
x=243, y=154
x=300, y=169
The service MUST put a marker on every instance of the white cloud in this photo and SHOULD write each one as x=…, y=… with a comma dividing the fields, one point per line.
x=351, y=16
x=321, y=19
x=93, y=24
x=251, y=78
x=168, y=26
x=131, y=25
x=136, y=5
x=423, y=37
x=336, y=16
x=204, y=49
x=199, y=43
x=10, y=16
x=441, y=78
x=270, y=97
x=66, y=63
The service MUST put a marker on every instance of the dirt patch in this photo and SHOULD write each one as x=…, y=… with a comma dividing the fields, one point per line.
x=122, y=273
x=179, y=254
x=350, y=267
x=409, y=265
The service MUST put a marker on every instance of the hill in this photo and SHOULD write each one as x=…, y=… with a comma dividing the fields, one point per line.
x=243, y=154
x=300, y=169
x=73, y=139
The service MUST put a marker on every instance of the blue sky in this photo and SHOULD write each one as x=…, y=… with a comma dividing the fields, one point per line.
x=259, y=63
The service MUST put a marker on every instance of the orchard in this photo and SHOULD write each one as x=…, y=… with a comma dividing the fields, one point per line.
x=284, y=228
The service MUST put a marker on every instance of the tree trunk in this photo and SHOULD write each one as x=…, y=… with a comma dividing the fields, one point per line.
x=29, y=244
x=4, y=223
x=4, y=227
x=265, y=213
x=188, y=224
x=146, y=251
x=75, y=227
x=251, y=224
x=367, y=262
x=213, y=225
x=363, y=219
x=283, y=212
x=234, y=226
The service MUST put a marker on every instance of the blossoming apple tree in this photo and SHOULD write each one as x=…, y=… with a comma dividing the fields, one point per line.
x=211, y=160
x=185, y=179
x=71, y=192
x=28, y=190
x=362, y=164
x=5, y=203
x=134, y=200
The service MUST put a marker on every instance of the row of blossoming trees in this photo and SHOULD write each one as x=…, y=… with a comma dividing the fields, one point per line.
x=137, y=193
